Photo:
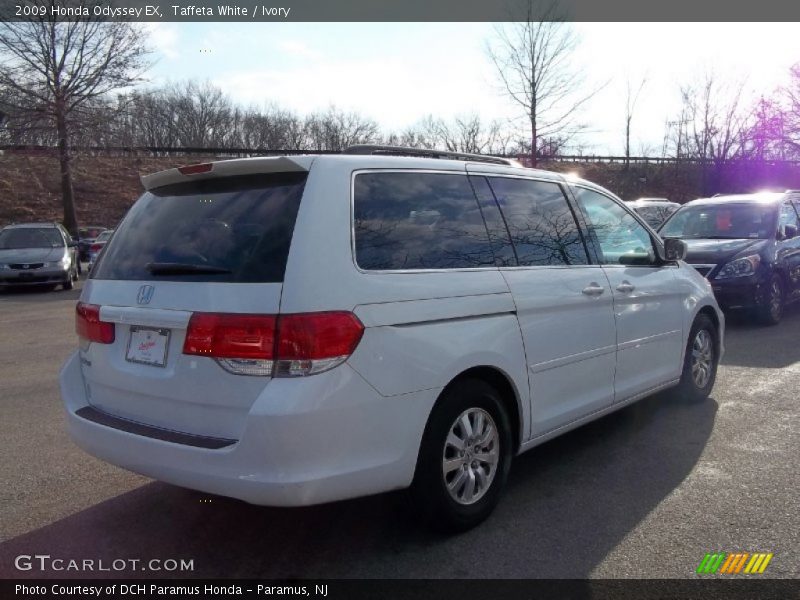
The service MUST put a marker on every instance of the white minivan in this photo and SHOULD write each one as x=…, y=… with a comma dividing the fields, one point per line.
x=303, y=329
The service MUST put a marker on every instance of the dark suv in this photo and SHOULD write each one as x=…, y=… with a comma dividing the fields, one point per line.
x=747, y=246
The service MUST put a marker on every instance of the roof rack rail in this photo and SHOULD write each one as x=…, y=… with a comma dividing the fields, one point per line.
x=427, y=153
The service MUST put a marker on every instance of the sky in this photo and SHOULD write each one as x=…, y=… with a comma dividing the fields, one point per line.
x=397, y=73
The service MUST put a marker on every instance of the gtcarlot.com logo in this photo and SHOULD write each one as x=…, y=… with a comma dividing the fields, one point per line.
x=45, y=562
x=734, y=563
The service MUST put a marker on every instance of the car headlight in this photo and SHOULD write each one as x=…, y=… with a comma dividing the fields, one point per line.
x=741, y=267
x=63, y=263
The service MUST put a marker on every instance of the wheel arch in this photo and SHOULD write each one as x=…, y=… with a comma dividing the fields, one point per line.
x=505, y=386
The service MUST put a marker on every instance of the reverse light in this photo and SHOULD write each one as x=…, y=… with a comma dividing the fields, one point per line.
x=741, y=267
x=89, y=327
x=281, y=346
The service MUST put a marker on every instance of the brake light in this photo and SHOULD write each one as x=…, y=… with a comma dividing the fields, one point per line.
x=95, y=247
x=282, y=346
x=230, y=336
x=195, y=169
x=89, y=326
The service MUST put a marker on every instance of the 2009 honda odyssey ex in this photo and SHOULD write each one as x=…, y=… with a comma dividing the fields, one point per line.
x=297, y=330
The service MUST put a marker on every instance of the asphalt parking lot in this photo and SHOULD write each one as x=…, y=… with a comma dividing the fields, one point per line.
x=644, y=493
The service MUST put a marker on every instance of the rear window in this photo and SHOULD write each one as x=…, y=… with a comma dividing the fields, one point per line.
x=234, y=229
x=418, y=221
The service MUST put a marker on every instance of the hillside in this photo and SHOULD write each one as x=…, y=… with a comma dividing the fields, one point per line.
x=105, y=187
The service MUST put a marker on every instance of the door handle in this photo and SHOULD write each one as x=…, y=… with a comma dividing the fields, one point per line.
x=626, y=287
x=593, y=289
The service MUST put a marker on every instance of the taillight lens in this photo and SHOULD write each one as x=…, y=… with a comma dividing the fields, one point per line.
x=315, y=342
x=230, y=336
x=283, y=346
x=89, y=326
x=95, y=247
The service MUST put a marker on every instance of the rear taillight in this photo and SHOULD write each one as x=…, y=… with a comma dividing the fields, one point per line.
x=89, y=326
x=95, y=247
x=315, y=342
x=283, y=346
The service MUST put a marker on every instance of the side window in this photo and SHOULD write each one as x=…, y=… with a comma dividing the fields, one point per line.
x=542, y=227
x=788, y=215
x=498, y=232
x=620, y=237
x=414, y=220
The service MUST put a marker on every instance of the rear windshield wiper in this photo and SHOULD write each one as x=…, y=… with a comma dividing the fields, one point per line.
x=171, y=268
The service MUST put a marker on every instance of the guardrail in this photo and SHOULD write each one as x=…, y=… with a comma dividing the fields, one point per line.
x=156, y=151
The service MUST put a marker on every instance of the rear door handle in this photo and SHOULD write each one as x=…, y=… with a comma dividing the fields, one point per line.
x=626, y=287
x=593, y=289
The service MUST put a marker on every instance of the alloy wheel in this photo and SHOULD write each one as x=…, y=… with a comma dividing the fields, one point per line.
x=702, y=358
x=471, y=455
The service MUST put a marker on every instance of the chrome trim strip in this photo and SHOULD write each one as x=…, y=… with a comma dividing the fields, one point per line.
x=572, y=358
x=648, y=339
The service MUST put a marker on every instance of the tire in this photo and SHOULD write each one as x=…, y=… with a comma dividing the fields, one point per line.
x=71, y=277
x=700, y=361
x=771, y=312
x=475, y=402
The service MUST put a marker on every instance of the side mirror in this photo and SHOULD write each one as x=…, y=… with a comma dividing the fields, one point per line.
x=789, y=231
x=674, y=249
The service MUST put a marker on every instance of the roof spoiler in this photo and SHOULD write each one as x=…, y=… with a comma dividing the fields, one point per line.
x=227, y=168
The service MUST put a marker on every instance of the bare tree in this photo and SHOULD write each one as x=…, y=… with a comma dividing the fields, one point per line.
x=463, y=133
x=533, y=59
x=631, y=98
x=789, y=114
x=716, y=124
x=335, y=129
x=55, y=67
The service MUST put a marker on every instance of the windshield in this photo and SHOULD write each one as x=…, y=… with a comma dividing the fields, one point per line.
x=722, y=222
x=655, y=214
x=103, y=237
x=13, y=239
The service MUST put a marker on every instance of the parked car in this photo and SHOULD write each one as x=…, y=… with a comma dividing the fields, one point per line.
x=654, y=210
x=747, y=246
x=97, y=246
x=86, y=237
x=37, y=254
x=298, y=330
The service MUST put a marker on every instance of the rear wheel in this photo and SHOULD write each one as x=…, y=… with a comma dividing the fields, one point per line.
x=700, y=361
x=464, y=457
x=771, y=311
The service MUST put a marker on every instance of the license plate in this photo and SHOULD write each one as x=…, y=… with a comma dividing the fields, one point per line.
x=148, y=346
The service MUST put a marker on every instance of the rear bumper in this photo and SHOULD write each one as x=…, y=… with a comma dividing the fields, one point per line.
x=306, y=441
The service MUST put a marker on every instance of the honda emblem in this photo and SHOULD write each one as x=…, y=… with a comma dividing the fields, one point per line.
x=145, y=294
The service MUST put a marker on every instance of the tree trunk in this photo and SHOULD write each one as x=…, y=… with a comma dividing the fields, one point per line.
x=67, y=194
x=627, y=143
x=533, y=144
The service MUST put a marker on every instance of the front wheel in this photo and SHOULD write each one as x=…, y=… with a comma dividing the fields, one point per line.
x=700, y=361
x=72, y=275
x=464, y=457
x=771, y=311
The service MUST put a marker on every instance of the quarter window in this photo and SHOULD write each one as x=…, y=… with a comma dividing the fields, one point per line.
x=411, y=220
x=620, y=237
x=542, y=227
